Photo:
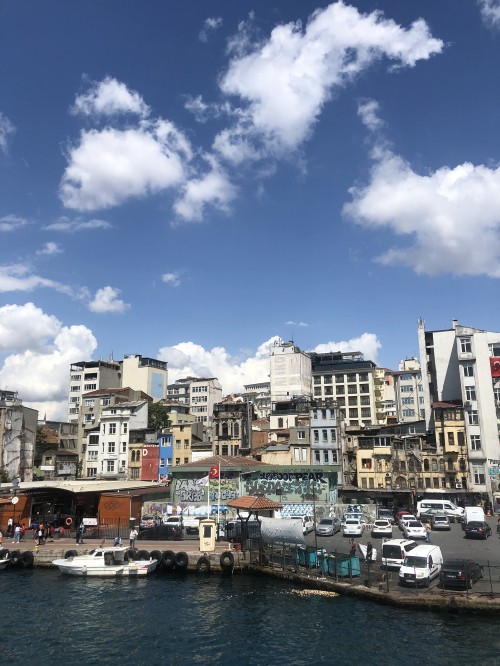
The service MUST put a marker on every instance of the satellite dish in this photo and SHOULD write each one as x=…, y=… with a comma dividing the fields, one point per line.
x=15, y=500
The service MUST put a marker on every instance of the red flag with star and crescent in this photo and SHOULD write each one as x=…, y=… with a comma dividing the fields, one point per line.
x=214, y=472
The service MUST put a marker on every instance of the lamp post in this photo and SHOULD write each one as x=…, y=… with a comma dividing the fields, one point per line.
x=14, y=500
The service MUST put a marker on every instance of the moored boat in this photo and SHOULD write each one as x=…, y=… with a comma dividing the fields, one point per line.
x=110, y=562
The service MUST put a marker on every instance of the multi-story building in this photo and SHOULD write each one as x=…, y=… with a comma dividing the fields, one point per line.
x=232, y=428
x=326, y=432
x=87, y=376
x=259, y=395
x=408, y=391
x=17, y=437
x=462, y=365
x=352, y=383
x=201, y=394
x=145, y=374
x=290, y=372
x=187, y=442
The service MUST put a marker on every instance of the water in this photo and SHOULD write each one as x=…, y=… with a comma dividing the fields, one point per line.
x=171, y=619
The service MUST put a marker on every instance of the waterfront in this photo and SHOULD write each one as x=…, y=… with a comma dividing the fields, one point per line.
x=173, y=619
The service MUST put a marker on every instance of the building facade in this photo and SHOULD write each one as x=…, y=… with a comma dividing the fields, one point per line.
x=290, y=372
x=145, y=374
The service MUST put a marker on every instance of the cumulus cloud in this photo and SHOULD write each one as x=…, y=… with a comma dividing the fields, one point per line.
x=24, y=327
x=213, y=188
x=209, y=25
x=367, y=343
x=18, y=277
x=6, y=130
x=40, y=372
x=190, y=359
x=108, y=167
x=368, y=112
x=286, y=80
x=12, y=223
x=66, y=225
x=106, y=300
x=438, y=211
x=173, y=279
x=490, y=12
x=49, y=249
x=109, y=97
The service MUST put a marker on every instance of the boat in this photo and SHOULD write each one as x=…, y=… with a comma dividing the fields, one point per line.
x=109, y=562
x=4, y=558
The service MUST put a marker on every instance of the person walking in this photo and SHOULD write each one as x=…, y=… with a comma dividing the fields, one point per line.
x=1, y=539
x=132, y=537
x=428, y=530
x=353, y=546
x=369, y=551
x=17, y=534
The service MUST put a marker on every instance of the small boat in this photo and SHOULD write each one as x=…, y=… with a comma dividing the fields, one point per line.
x=110, y=562
x=4, y=558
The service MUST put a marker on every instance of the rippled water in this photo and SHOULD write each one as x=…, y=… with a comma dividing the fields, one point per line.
x=171, y=619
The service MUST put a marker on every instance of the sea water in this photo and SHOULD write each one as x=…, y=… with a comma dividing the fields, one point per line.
x=52, y=619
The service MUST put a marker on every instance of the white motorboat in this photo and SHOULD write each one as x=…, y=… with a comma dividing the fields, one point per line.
x=4, y=558
x=105, y=562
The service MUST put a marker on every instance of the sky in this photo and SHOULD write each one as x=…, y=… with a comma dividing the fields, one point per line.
x=193, y=181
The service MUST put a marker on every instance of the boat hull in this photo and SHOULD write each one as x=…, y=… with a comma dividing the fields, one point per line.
x=79, y=567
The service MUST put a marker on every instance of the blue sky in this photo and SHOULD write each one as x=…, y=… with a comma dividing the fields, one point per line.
x=188, y=181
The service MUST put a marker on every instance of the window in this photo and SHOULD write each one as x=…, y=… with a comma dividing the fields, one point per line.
x=365, y=413
x=304, y=455
x=473, y=417
x=353, y=413
x=407, y=401
x=341, y=402
x=364, y=388
x=352, y=389
x=470, y=393
x=110, y=466
x=333, y=435
x=353, y=401
x=177, y=443
x=327, y=379
x=111, y=447
x=92, y=455
x=317, y=380
x=328, y=390
x=475, y=442
x=316, y=436
x=186, y=443
x=75, y=398
x=363, y=376
x=186, y=460
x=177, y=461
x=317, y=390
x=340, y=390
x=317, y=456
x=124, y=447
x=89, y=403
x=494, y=349
x=125, y=428
x=106, y=401
x=324, y=434
x=478, y=472
x=89, y=387
x=451, y=439
x=112, y=429
x=296, y=455
x=468, y=371
x=366, y=463
x=91, y=471
x=301, y=434
x=280, y=422
x=406, y=389
x=93, y=439
x=465, y=345
x=365, y=400
x=89, y=418
x=351, y=377
x=339, y=379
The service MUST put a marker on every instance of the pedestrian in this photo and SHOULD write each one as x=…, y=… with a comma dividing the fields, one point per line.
x=428, y=530
x=10, y=524
x=353, y=546
x=117, y=541
x=133, y=536
x=17, y=534
x=1, y=539
x=23, y=530
x=79, y=533
x=39, y=536
x=369, y=551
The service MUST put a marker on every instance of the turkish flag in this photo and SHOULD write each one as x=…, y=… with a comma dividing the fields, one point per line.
x=214, y=472
x=495, y=366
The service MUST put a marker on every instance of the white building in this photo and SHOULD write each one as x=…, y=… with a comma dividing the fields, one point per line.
x=259, y=395
x=203, y=395
x=290, y=372
x=408, y=391
x=145, y=374
x=462, y=364
x=88, y=376
x=325, y=434
x=17, y=437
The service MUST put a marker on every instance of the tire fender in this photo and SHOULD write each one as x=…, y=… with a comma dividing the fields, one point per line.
x=27, y=559
x=143, y=555
x=182, y=561
x=203, y=565
x=70, y=553
x=168, y=559
x=227, y=560
x=15, y=558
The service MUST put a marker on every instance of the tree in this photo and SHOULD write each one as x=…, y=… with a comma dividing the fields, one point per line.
x=157, y=416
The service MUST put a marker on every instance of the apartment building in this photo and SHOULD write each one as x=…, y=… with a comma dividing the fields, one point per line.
x=232, y=428
x=290, y=372
x=326, y=432
x=145, y=374
x=200, y=394
x=259, y=394
x=17, y=437
x=461, y=365
x=408, y=391
x=86, y=376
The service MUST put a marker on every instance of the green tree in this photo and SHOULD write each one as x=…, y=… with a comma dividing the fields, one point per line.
x=157, y=416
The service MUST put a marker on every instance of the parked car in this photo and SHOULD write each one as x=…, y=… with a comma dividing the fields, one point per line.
x=440, y=522
x=406, y=518
x=453, y=511
x=148, y=521
x=161, y=533
x=385, y=514
x=354, y=527
x=382, y=528
x=477, y=530
x=359, y=516
x=421, y=565
x=307, y=522
x=460, y=573
x=328, y=527
x=413, y=529
x=394, y=552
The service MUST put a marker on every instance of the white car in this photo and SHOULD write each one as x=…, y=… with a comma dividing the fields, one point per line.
x=353, y=527
x=307, y=523
x=413, y=529
x=382, y=528
x=406, y=518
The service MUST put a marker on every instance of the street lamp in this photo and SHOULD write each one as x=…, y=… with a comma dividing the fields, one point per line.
x=14, y=500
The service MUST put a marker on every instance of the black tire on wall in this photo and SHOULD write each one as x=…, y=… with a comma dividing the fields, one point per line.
x=143, y=555
x=227, y=561
x=168, y=559
x=130, y=555
x=203, y=565
x=182, y=561
x=15, y=558
x=70, y=553
x=27, y=559
x=156, y=555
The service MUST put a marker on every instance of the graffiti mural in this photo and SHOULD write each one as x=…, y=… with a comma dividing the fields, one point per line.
x=289, y=486
x=228, y=489
x=189, y=490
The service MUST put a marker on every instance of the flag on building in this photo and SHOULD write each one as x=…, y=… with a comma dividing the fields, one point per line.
x=214, y=472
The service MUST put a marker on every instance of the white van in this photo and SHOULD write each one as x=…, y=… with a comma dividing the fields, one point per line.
x=307, y=522
x=421, y=565
x=473, y=513
x=394, y=552
x=446, y=507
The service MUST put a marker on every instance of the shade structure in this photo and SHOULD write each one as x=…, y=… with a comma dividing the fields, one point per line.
x=254, y=503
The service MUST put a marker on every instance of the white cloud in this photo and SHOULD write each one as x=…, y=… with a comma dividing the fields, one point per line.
x=25, y=327
x=439, y=211
x=41, y=375
x=286, y=80
x=110, y=97
x=302, y=324
x=6, y=129
x=17, y=277
x=12, y=223
x=490, y=12
x=209, y=25
x=368, y=112
x=110, y=166
x=66, y=225
x=173, y=279
x=49, y=249
x=106, y=300
x=367, y=343
x=214, y=188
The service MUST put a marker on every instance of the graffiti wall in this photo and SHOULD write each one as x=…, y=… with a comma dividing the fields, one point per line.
x=290, y=486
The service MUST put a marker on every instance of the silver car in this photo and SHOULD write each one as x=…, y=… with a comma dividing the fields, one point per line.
x=328, y=527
